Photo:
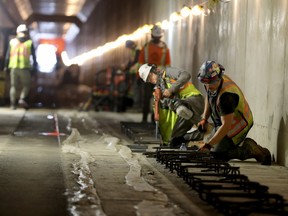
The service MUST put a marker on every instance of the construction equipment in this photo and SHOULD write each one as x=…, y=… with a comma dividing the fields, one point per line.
x=160, y=86
x=108, y=92
x=157, y=97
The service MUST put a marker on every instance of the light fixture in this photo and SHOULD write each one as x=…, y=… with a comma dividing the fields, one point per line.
x=174, y=17
x=197, y=10
x=185, y=11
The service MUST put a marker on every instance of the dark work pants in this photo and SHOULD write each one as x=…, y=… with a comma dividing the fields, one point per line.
x=227, y=150
x=147, y=95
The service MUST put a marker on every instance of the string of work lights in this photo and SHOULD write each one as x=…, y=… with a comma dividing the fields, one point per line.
x=204, y=8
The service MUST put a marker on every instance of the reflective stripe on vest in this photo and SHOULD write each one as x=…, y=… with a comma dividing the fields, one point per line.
x=242, y=119
x=20, y=54
x=163, y=58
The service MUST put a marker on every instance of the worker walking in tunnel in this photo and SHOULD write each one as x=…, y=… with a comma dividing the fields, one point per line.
x=131, y=69
x=18, y=62
x=231, y=115
x=154, y=52
x=181, y=103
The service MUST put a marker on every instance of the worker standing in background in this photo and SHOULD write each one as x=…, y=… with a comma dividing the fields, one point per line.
x=231, y=115
x=18, y=62
x=154, y=52
x=131, y=69
x=181, y=104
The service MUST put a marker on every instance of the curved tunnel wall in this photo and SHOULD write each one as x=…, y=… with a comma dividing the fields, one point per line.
x=249, y=37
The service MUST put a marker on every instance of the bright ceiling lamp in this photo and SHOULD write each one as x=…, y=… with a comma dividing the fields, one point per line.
x=165, y=24
x=174, y=17
x=197, y=10
x=185, y=11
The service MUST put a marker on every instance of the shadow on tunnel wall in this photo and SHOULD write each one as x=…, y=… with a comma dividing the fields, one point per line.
x=282, y=142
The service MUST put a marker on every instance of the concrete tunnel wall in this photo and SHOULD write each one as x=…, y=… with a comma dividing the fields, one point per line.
x=249, y=37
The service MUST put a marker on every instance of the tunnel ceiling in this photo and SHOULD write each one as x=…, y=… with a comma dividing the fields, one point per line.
x=50, y=18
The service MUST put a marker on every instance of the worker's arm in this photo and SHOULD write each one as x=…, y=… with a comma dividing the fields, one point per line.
x=203, y=124
x=207, y=110
x=7, y=59
x=181, y=77
x=141, y=58
x=228, y=104
x=167, y=58
x=33, y=53
x=222, y=130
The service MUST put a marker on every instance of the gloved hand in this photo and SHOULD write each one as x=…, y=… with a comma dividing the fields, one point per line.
x=202, y=125
x=184, y=112
x=205, y=148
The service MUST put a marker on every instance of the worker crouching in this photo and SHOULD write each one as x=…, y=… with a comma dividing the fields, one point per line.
x=231, y=115
x=181, y=103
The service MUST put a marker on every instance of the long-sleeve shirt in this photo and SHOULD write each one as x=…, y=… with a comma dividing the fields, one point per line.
x=180, y=76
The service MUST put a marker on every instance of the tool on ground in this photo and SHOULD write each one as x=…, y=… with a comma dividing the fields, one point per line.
x=160, y=86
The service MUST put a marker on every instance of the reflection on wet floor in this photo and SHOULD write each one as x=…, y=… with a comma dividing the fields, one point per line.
x=86, y=195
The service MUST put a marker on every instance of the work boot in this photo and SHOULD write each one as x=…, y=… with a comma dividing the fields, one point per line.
x=254, y=150
x=23, y=103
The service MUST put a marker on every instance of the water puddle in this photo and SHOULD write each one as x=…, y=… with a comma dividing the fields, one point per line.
x=83, y=200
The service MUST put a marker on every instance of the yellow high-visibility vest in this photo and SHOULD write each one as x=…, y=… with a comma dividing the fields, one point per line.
x=243, y=118
x=20, y=54
x=168, y=118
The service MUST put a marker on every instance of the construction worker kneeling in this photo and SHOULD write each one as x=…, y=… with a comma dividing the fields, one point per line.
x=179, y=105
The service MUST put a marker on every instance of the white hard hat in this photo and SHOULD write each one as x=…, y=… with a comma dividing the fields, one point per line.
x=144, y=71
x=157, y=31
x=21, y=28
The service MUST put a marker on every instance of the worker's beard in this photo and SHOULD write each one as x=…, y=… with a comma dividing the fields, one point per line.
x=156, y=40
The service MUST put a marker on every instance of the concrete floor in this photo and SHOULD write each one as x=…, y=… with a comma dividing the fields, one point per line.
x=65, y=162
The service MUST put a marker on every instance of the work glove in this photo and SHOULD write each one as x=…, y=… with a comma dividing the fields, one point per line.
x=205, y=148
x=202, y=125
x=184, y=112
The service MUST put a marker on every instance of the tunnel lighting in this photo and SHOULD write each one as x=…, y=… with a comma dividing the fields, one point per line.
x=165, y=24
x=65, y=59
x=46, y=57
x=174, y=17
x=197, y=10
x=136, y=35
x=185, y=11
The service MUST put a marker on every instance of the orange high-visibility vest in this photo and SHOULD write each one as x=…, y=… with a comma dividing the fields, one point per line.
x=157, y=54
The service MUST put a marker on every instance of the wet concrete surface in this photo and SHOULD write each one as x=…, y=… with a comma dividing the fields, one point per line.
x=82, y=173
x=31, y=178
